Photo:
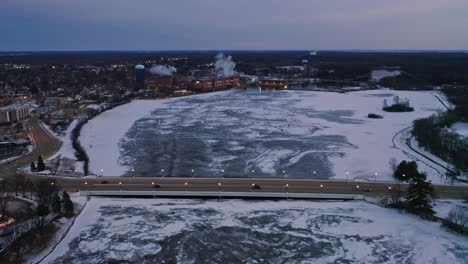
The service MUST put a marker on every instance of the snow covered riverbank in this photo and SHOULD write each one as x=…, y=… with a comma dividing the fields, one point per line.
x=297, y=132
x=200, y=231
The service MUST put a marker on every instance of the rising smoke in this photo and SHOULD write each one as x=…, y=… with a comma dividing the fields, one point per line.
x=163, y=70
x=224, y=66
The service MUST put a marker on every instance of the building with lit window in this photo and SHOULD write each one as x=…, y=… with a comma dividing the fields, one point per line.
x=273, y=84
x=14, y=112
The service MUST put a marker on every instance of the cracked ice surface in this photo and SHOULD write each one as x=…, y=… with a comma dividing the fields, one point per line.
x=268, y=132
x=112, y=230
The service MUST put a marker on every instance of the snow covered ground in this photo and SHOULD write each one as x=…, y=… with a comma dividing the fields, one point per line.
x=460, y=128
x=269, y=132
x=379, y=74
x=67, y=150
x=236, y=231
x=443, y=207
x=101, y=135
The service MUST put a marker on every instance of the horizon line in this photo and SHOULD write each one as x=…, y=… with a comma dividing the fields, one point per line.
x=243, y=50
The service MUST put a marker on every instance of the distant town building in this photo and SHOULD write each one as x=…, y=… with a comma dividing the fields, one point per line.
x=273, y=84
x=14, y=112
x=140, y=76
x=173, y=84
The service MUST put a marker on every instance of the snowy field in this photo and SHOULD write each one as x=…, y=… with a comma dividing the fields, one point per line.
x=379, y=74
x=460, y=128
x=295, y=132
x=112, y=230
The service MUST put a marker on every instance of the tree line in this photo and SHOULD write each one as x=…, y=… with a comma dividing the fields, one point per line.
x=434, y=134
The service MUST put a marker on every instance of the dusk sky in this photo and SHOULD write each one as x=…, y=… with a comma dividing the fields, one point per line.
x=236, y=24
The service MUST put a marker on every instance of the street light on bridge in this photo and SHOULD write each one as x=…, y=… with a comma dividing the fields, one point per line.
x=185, y=184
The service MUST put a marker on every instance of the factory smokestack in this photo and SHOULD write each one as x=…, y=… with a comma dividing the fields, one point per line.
x=224, y=66
x=163, y=70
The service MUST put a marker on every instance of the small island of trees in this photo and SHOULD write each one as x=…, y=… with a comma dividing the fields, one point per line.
x=398, y=105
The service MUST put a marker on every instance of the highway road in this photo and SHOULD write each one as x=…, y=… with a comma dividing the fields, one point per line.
x=44, y=144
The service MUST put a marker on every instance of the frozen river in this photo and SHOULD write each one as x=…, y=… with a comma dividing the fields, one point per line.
x=112, y=230
x=295, y=134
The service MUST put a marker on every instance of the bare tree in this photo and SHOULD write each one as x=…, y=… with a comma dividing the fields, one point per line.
x=4, y=200
x=393, y=164
x=20, y=182
x=458, y=215
x=5, y=197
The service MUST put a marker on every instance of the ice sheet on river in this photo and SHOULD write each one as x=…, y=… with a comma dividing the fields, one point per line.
x=297, y=132
x=112, y=230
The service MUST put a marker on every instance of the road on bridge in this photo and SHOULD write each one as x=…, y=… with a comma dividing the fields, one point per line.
x=136, y=184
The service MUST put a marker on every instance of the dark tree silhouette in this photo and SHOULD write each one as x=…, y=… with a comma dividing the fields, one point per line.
x=40, y=164
x=419, y=196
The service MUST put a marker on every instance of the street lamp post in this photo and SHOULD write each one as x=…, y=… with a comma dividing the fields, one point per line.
x=219, y=189
x=86, y=189
x=191, y=173
x=162, y=172
x=284, y=174
x=102, y=172
x=185, y=184
x=347, y=176
x=287, y=190
x=221, y=175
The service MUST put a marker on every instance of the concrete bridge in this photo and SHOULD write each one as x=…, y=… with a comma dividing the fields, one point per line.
x=241, y=187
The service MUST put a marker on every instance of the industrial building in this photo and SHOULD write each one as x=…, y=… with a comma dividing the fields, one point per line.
x=14, y=112
x=173, y=84
x=273, y=84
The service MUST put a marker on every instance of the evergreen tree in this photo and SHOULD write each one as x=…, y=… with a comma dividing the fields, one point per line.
x=56, y=203
x=419, y=196
x=67, y=203
x=406, y=170
x=40, y=164
x=33, y=166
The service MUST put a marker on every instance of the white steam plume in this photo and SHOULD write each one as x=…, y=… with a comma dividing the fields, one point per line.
x=224, y=66
x=163, y=70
